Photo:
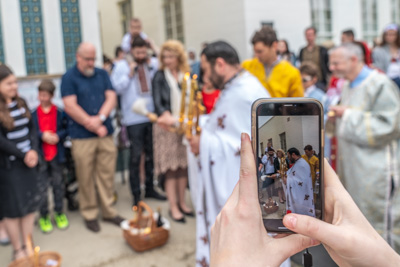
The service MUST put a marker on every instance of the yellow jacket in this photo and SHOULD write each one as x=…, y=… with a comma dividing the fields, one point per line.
x=283, y=81
x=314, y=165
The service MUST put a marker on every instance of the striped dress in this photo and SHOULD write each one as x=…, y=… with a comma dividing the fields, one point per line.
x=20, y=187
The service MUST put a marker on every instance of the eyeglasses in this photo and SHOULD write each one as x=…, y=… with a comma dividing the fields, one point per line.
x=88, y=58
x=306, y=79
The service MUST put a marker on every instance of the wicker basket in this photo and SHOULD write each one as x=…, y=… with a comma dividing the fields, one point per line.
x=45, y=259
x=142, y=233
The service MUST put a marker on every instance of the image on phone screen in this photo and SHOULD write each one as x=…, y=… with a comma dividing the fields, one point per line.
x=289, y=154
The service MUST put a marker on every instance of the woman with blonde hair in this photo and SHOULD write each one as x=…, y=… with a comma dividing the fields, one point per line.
x=170, y=160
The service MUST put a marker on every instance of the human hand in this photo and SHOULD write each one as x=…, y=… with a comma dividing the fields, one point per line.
x=132, y=67
x=194, y=142
x=31, y=158
x=166, y=120
x=347, y=235
x=50, y=138
x=260, y=166
x=102, y=131
x=93, y=123
x=339, y=110
x=239, y=230
x=47, y=137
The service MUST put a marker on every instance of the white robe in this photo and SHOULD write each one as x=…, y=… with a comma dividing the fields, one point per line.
x=299, y=190
x=369, y=152
x=219, y=159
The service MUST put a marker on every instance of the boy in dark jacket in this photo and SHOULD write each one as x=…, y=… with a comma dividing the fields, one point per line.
x=51, y=128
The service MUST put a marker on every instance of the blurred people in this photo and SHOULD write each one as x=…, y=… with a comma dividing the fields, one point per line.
x=309, y=79
x=317, y=55
x=269, y=169
x=210, y=95
x=4, y=239
x=368, y=132
x=313, y=161
x=281, y=164
x=194, y=63
x=20, y=187
x=284, y=53
x=239, y=229
x=132, y=82
x=219, y=142
x=88, y=98
x=348, y=37
x=108, y=65
x=386, y=57
x=169, y=152
x=135, y=30
x=299, y=187
x=279, y=77
x=119, y=54
x=51, y=127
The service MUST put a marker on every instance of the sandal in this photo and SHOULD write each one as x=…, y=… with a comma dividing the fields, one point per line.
x=17, y=251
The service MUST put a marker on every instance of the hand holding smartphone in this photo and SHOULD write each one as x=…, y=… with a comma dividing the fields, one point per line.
x=287, y=138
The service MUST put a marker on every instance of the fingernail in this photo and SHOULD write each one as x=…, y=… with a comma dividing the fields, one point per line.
x=292, y=220
x=243, y=136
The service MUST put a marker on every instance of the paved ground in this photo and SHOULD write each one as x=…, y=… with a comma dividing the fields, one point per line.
x=82, y=248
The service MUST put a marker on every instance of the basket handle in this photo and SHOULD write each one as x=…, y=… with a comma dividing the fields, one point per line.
x=143, y=206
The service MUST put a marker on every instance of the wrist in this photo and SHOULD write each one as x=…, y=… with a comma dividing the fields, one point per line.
x=102, y=117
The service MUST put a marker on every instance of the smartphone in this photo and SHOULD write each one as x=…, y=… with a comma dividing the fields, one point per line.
x=288, y=143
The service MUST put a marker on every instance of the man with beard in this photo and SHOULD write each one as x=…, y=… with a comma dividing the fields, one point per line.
x=88, y=99
x=299, y=189
x=132, y=81
x=368, y=134
x=218, y=145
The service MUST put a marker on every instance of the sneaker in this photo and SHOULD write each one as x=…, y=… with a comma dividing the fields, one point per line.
x=61, y=221
x=45, y=224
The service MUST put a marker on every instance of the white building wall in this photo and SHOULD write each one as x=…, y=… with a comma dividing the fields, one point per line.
x=289, y=17
x=210, y=20
x=90, y=27
x=310, y=133
x=12, y=36
x=300, y=131
x=110, y=25
x=54, y=42
x=384, y=14
x=346, y=15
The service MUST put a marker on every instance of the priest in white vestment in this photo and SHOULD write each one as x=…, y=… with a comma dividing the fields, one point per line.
x=368, y=133
x=299, y=189
x=219, y=143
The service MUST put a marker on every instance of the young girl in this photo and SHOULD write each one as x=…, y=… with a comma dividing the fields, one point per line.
x=19, y=194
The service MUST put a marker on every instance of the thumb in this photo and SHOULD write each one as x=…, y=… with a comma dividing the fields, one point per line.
x=313, y=228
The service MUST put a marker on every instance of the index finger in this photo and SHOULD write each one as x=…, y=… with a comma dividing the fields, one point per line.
x=248, y=173
x=331, y=178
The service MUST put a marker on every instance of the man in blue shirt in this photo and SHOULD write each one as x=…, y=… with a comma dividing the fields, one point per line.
x=88, y=99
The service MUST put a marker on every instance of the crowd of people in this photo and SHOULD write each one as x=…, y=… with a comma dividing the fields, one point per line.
x=358, y=89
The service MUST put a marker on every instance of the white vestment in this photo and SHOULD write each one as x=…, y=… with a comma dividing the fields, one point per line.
x=219, y=159
x=299, y=190
x=369, y=152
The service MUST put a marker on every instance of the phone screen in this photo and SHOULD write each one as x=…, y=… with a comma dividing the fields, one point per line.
x=289, y=153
